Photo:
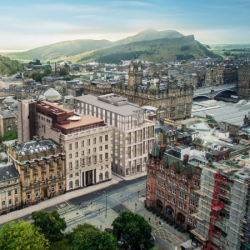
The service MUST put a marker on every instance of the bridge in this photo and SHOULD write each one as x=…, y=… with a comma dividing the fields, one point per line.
x=212, y=91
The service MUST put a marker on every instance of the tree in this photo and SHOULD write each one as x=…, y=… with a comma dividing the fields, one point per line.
x=10, y=135
x=37, y=76
x=76, y=68
x=94, y=239
x=22, y=236
x=50, y=224
x=47, y=71
x=133, y=230
x=63, y=71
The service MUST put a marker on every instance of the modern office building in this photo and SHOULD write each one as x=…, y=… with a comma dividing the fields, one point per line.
x=133, y=136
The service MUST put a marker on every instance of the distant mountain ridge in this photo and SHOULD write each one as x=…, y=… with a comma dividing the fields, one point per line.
x=151, y=43
x=160, y=50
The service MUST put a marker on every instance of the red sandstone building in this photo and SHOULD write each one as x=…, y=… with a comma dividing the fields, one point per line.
x=171, y=184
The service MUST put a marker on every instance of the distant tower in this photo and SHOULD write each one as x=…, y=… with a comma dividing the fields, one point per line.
x=135, y=73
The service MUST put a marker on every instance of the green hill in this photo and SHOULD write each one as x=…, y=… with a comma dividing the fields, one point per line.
x=149, y=34
x=160, y=50
x=66, y=50
x=9, y=67
x=57, y=50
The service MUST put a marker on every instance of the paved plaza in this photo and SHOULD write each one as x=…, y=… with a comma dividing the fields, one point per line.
x=101, y=207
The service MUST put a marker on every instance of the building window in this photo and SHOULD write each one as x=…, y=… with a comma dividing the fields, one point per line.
x=158, y=183
x=52, y=189
x=148, y=179
x=191, y=211
x=185, y=197
x=184, y=207
x=82, y=162
x=82, y=143
x=77, y=164
x=60, y=186
x=163, y=185
x=3, y=195
x=15, y=190
x=50, y=175
x=180, y=204
x=157, y=191
x=191, y=202
x=88, y=151
x=106, y=175
x=70, y=156
x=174, y=191
x=169, y=189
x=70, y=146
x=94, y=150
x=71, y=176
x=148, y=188
x=100, y=139
x=173, y=200
x=28, y=196
x=189, y=220
x=8, y=182
x=76, y=174
x=106, y=156
x=58, y=173
x=76, y=145
x=16, y=200
x=37, y=193
x=88, y=142
x=162, y=193
x=100, y=177
x=82, y=153
x=169, y=198
x=26, y=182
x=77, y=183
x=100, y=148
x=169, y=180
x=70, y=165
x=3, y=203
x=106, y=137
x=9, y=193
x=181, y=195
x=94, y=140
x=106, y=147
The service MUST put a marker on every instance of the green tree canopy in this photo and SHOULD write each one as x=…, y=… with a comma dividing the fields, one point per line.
x=94, y=239
x=47, y=71
x=134, y=230
x=10, y=135
x=37, y=76
x=22, y=236
x=63, y=72
x=50, y=223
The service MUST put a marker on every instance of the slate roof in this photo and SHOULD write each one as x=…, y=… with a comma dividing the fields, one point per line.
x=8, y=171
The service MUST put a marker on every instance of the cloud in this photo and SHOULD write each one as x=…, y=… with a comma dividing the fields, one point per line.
x=129, y=3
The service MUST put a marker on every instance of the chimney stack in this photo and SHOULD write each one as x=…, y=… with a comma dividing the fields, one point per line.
x=185, y=159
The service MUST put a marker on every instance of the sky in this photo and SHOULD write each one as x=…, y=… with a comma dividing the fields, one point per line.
x=29, y=24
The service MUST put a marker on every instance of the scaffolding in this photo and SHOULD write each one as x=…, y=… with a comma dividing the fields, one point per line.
x=223, y=212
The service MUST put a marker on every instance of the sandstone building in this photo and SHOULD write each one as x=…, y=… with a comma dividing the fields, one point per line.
x=41, y=167
x=87, y=141
x=243, y=88
x=10, y=188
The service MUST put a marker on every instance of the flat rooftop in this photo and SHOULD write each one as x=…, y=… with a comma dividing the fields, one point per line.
x=123, y=110
x=82, y=122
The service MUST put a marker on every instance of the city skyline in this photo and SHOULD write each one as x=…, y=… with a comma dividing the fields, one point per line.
x=29, y=25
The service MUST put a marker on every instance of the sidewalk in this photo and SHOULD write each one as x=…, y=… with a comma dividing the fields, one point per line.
x=54, y=201
x=131, y=177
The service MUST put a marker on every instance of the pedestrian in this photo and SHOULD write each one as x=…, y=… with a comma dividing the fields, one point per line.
x=149, y=219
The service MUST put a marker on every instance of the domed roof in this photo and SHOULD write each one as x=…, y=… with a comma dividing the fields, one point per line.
x=51, y=93
x=9, y=100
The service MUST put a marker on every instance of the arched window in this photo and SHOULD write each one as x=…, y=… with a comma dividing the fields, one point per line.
x=107, y=175
x=100, y=177
x=70, y=184
x=77, y=183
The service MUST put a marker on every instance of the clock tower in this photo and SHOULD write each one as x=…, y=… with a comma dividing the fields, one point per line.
x=135, y=73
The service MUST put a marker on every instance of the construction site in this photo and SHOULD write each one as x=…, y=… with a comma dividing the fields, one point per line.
x=222, y=214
